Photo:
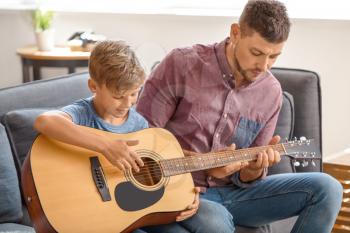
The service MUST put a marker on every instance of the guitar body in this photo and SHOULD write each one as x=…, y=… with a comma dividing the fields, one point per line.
x=62, y=196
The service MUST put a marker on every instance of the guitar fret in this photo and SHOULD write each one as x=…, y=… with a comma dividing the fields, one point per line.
x=192, y=163
x=179, y=166
x=182, y=167
x=218, y=159
x=187, y=165
x=173, y=166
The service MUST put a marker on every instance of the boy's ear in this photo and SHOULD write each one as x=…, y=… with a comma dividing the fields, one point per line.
x=92, y=85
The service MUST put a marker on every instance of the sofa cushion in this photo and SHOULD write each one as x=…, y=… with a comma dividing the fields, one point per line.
x=10, y=199
x=285, y=123
x=48, y=93
x=305, y=88
x=284, y=129
x=15, y=228
x=19, y=126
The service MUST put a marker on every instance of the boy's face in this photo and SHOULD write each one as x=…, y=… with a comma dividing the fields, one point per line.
x=110, y=105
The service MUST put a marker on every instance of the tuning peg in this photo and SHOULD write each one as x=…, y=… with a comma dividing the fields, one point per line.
x=313, y=163
x=304, y=163
x=296, y=163
x=302, y=140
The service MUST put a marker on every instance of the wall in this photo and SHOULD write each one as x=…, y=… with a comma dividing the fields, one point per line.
x=318, y=45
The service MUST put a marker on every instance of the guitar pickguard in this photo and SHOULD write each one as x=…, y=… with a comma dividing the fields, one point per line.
x=131, y=198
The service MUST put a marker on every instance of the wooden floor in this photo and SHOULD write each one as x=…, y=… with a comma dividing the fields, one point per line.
x=340, y=169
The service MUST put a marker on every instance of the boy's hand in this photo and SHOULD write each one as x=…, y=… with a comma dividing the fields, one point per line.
x=118, y=152
x=191, y=209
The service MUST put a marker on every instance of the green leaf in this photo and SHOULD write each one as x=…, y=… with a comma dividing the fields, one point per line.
x=42, y=20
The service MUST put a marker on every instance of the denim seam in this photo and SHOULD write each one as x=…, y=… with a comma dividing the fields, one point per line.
x=304, y=217
x=302, y=221
x=294, y=191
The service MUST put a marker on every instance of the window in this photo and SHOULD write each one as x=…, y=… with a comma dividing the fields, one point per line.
x=310, y=9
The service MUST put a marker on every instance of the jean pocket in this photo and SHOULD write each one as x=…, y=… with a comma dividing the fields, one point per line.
x=245, y=133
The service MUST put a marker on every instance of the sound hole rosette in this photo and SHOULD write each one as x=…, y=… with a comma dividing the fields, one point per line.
x=150, y=177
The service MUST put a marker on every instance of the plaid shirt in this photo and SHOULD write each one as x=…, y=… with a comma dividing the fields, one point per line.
x=192, y=94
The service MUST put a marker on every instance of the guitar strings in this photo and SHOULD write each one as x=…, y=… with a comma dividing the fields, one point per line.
x=152, y=171
x=177, y=166
x=190, y=160
x=154, y=168
x=221, y=155
x=157, y=170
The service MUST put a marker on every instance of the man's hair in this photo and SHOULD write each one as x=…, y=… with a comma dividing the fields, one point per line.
x=269, y=18
x=115, y=64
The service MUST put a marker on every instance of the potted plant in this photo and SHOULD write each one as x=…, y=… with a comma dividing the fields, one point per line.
x=44, y=34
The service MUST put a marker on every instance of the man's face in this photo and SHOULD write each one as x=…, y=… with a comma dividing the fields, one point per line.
x=253, y=55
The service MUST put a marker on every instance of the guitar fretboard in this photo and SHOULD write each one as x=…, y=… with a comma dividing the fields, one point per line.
x=187, y=164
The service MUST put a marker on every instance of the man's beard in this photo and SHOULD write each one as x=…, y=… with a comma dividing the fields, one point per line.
x=239, y=68
x=240, y=71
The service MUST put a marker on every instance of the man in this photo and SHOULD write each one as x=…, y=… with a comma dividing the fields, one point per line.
x=212, y=96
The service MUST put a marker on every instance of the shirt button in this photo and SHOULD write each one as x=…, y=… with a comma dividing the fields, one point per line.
x=224, y=76
x=225, y=115
x=217, y=135
x=209, y=178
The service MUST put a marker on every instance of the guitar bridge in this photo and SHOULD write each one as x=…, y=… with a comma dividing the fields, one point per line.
x=99, y=179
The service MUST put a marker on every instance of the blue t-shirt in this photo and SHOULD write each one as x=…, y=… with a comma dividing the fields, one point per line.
x=83, y=113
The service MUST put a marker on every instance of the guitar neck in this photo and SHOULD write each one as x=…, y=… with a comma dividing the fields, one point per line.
x=188, y=164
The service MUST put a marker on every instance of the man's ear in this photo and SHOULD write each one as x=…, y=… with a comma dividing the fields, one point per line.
x=92, y=85
x=235, y=32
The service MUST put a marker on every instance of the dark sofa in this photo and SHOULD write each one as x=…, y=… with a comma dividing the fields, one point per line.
x=19, y=105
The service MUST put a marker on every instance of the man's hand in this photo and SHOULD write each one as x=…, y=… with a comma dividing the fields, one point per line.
x=191, y=209
x=118, y=152
x=264, y=160
x=221, y=172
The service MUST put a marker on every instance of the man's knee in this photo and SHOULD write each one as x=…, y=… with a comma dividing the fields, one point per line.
x=215, y=217
x=328, y=188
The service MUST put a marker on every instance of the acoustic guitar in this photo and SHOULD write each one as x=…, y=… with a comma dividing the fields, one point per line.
x=69, y=189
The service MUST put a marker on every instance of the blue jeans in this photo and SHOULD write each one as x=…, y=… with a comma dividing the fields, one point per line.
x=315, y=197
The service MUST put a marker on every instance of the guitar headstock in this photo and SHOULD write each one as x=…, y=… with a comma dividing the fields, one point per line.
x=302, y=151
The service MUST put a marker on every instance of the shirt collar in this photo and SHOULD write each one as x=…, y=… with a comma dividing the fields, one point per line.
x=220, y=51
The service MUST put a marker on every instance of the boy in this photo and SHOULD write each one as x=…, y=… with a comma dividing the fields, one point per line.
x=115, y=80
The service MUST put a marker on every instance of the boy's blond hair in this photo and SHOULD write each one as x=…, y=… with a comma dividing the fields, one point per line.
x=115, y=64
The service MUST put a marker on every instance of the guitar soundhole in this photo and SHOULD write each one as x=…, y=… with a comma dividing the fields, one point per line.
x=150, y=174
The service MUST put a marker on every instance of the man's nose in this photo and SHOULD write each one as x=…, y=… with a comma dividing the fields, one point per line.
x=263, y=64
